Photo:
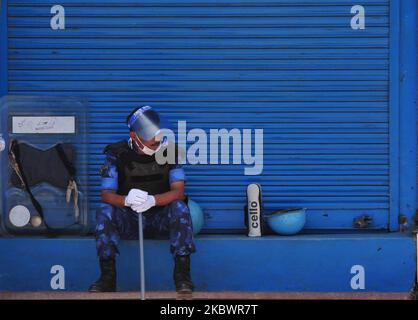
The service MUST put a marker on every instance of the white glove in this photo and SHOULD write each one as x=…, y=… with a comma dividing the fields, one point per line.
x=135, y=197
x=148, y=204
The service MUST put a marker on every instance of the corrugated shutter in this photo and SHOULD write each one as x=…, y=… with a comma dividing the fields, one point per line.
x=294, y=68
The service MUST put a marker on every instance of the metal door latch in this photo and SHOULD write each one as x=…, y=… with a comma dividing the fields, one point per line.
x=403, y=223
x=363, y=221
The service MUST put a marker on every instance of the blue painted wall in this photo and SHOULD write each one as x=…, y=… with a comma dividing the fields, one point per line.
x=407, y=102
x=3, y=49
x=416, y=37
x=320, y=90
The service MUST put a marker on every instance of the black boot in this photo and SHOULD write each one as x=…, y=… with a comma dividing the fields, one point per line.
x=107, y=280
x=181, y=275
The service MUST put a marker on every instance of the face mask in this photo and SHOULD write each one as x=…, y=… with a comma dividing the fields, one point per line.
x=146, y=150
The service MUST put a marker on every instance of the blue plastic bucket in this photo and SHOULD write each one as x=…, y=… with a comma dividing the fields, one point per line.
x=287, y=222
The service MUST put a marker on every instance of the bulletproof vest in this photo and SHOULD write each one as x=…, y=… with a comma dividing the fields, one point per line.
x=138, y=171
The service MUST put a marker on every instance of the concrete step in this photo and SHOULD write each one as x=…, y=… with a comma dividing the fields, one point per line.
x=356, y=263
x=204, y=295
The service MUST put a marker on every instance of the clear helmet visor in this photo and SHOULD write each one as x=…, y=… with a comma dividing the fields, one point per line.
x=150, y=130
x=146, y=123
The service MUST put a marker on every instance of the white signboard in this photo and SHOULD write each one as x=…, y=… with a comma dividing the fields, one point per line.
x=23, y=124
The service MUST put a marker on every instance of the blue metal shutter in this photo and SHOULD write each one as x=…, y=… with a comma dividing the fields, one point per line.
x=294, y=68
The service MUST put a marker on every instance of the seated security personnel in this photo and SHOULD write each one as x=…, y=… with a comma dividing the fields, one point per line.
x=133, y=182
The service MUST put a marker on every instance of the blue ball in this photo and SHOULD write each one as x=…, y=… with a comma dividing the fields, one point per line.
x=198, y=218
x=287, y=222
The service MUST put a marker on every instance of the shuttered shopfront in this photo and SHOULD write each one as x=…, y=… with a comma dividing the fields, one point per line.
x=318, y=88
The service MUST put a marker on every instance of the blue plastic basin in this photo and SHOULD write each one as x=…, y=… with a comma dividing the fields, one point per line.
x=287, y=222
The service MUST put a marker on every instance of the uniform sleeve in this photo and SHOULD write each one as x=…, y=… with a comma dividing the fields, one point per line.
x=177, y=174
x=109, y=173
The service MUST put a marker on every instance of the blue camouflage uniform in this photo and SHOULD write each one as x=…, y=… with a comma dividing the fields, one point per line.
x=172, y=221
